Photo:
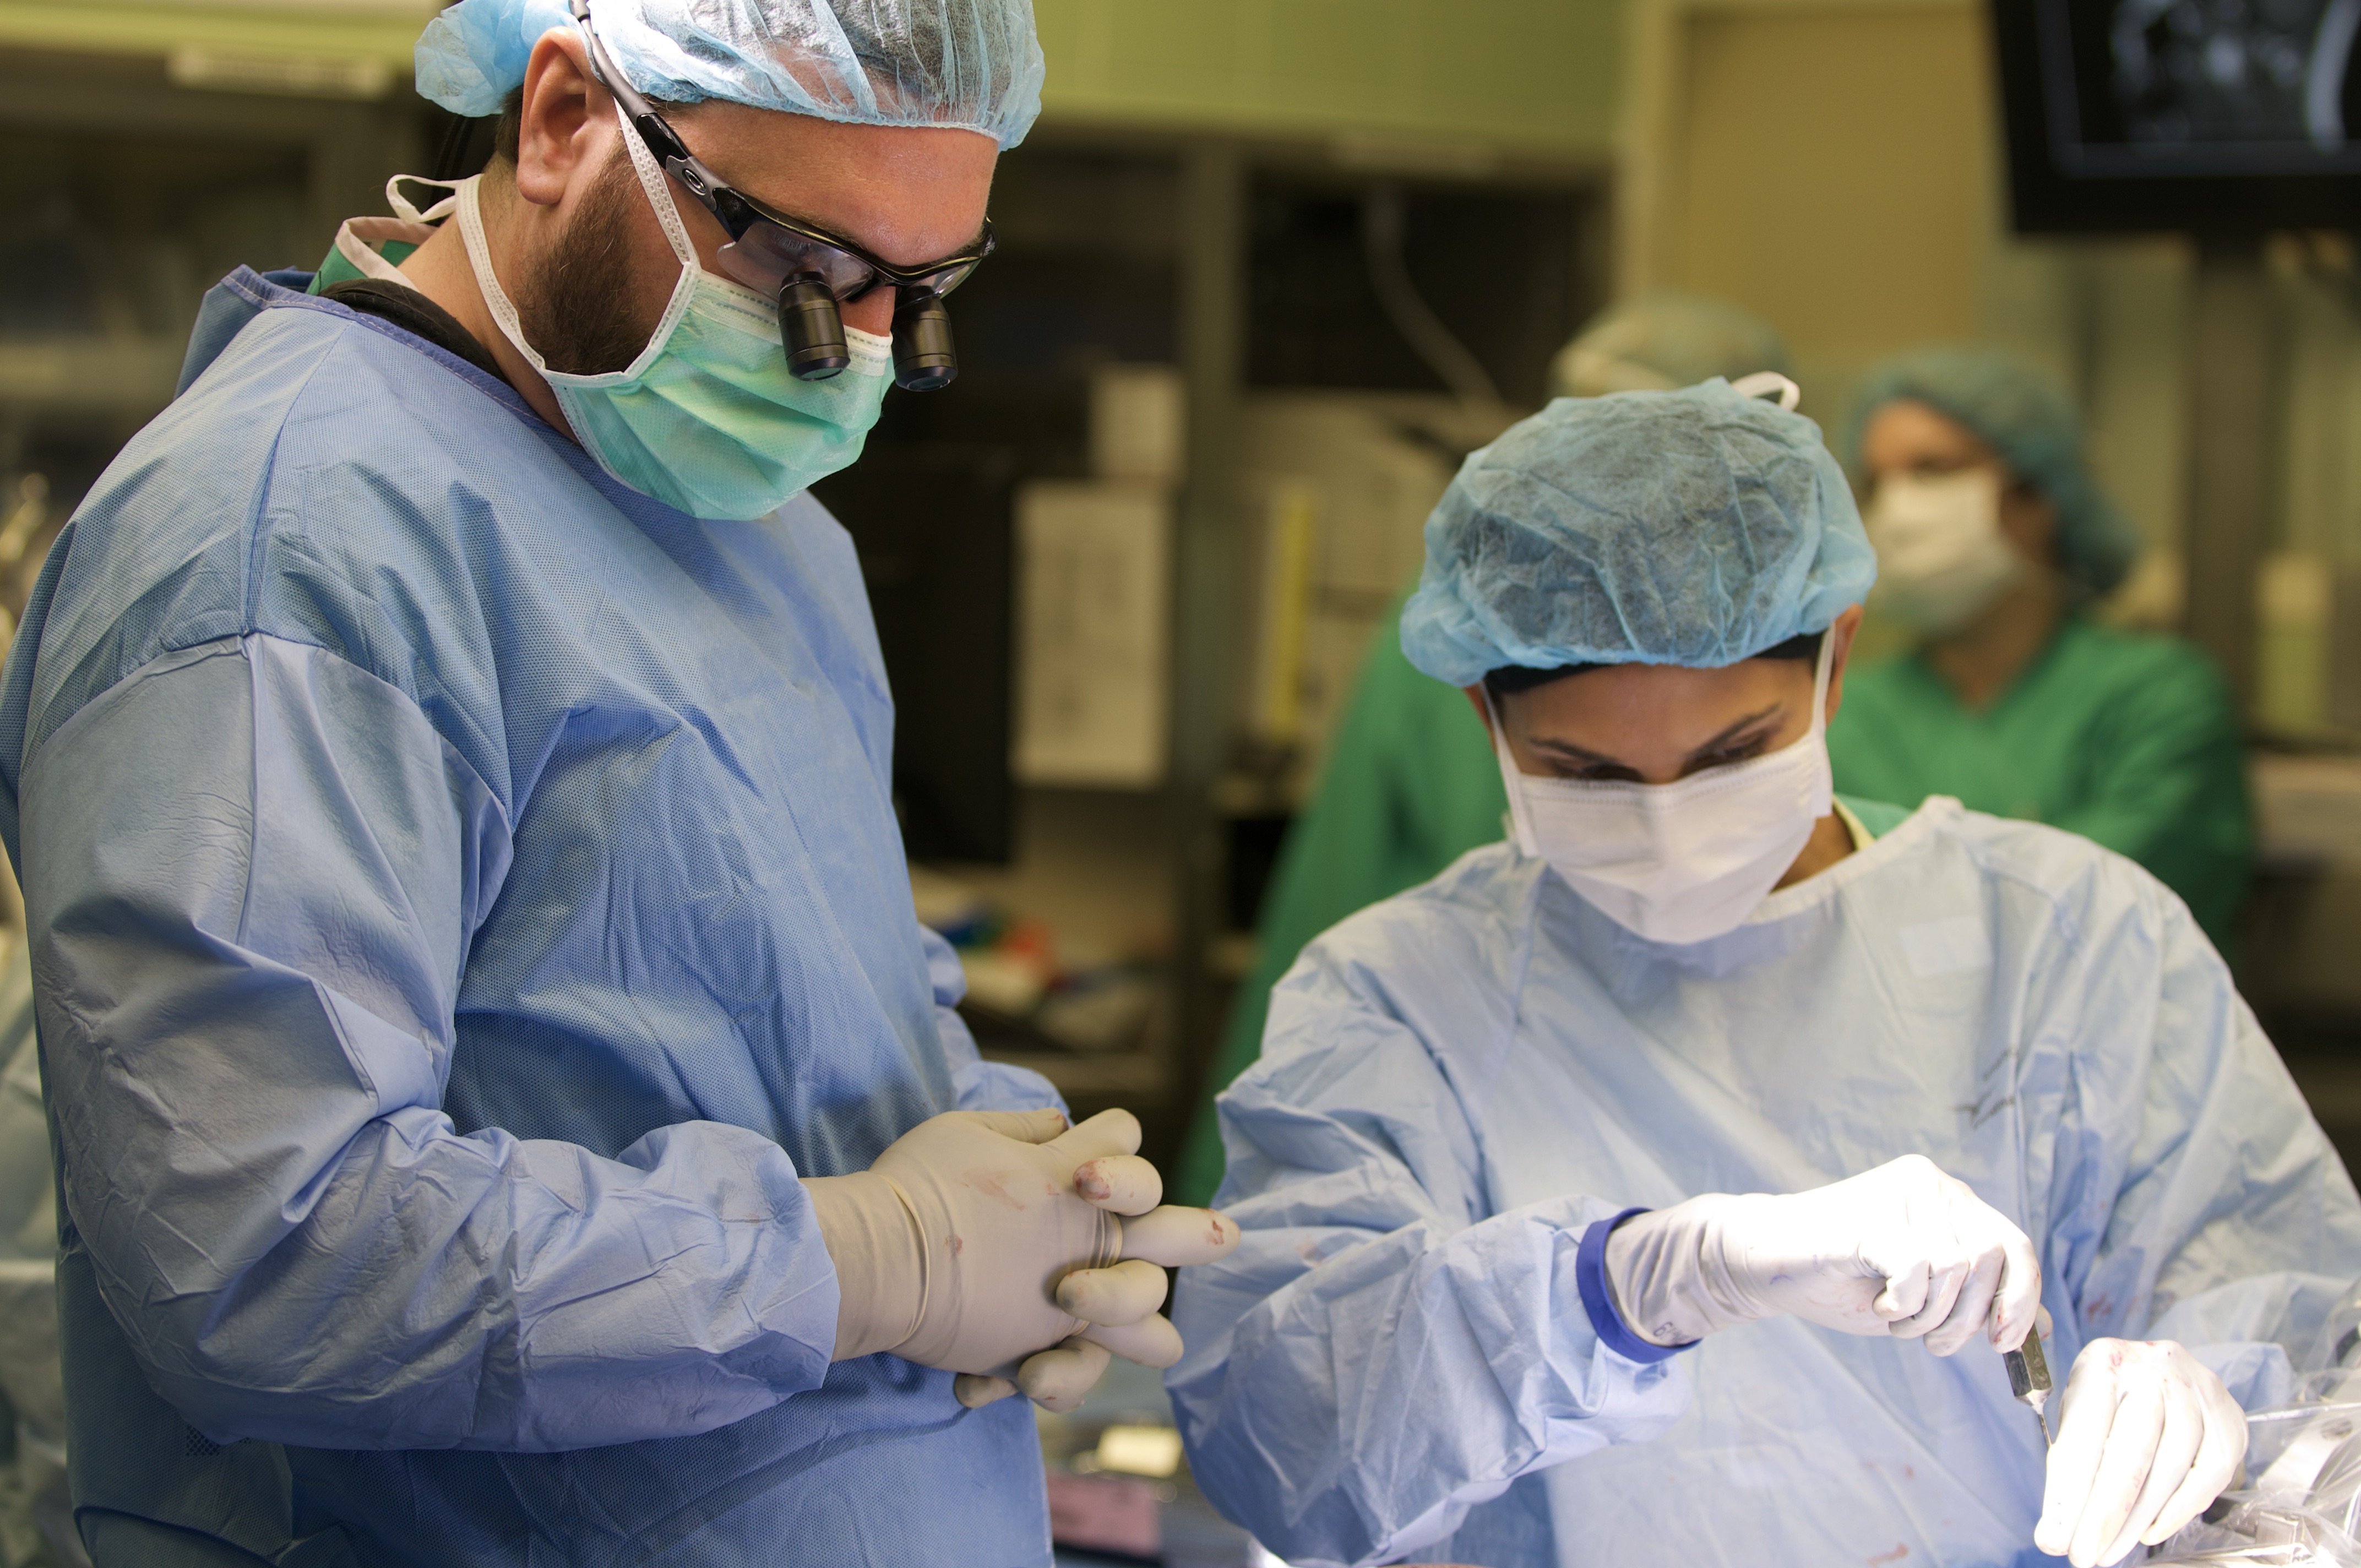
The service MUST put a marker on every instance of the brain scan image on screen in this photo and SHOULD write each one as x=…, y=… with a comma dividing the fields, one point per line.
x=2233, y=71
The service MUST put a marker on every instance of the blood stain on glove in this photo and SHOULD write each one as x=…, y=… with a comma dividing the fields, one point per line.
x=995, y=1184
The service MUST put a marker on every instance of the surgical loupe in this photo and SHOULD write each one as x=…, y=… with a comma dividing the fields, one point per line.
x=809, y=271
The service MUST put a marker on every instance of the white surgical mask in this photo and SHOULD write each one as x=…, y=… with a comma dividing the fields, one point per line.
x=1685, y=862
x=1941, y=557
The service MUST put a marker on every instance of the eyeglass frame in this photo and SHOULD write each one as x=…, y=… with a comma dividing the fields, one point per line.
x=738, y=213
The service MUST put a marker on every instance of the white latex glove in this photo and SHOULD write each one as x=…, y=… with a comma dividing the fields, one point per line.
x=982, y=1239
x=2147, y=1438
x=1902, y=1250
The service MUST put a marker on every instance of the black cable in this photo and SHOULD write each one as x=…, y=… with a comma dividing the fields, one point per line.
x=466, y=148
x=1383, y=221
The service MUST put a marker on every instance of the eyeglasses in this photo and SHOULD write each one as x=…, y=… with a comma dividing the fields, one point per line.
x=808, y=271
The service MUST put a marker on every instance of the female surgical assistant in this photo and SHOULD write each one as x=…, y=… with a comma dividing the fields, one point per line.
x=1396, y=802
x=1594, y=1190
x=1992, y=539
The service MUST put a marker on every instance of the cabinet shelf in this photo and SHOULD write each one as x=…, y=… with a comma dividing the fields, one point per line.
x=96, y=375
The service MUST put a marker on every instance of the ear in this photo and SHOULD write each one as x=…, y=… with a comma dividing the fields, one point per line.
x=568, y=123
x=2029, y=520
x=1475, y=696
x=1842, y=628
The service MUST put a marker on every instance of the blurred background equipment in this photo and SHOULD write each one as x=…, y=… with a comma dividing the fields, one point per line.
x=36, y=1511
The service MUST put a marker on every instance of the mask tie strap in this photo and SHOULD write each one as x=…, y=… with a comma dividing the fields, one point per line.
x=353, y=236
x=1824, y=797
x=657, y=189
x=408, y=224
x=1769, y=384
x=1820, y=677
x=407, y=210
x=496, y=298
x=468, y=202
x=1520, y=826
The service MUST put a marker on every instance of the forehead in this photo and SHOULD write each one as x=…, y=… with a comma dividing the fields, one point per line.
x=1906, y=433
x=911, y=193
x=1616, y=710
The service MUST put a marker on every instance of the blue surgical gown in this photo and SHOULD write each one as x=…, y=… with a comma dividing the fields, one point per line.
x=464, y=898
x=1459, y=1080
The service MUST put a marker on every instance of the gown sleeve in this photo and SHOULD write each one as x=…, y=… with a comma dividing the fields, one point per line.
x=2206, y=1205
x=253, y=870
x=1382, y=1353
x=1408, y=786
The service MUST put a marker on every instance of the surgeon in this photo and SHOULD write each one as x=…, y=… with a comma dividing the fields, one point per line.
x=1993, y=541
x=1596, y=1191
x=1392, y=806
x=505, y=1108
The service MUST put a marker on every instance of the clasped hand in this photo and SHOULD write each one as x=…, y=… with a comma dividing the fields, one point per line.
x=1012, y=1249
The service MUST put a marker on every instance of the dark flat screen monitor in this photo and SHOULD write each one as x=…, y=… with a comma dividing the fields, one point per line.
x=2221, y=116
x=930, y=520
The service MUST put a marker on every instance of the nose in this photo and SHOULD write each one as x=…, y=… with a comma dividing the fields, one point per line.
x=873, y=313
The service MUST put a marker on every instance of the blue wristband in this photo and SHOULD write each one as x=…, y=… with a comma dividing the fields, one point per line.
x=1590, y=1279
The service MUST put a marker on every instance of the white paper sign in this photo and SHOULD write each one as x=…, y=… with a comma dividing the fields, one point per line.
x=1093, y=633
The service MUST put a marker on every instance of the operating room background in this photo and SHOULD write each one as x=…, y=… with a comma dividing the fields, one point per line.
x=1268, y=270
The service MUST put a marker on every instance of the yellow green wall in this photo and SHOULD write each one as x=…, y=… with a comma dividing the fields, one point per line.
x=1531, y=75
x=354, y=29
x=1536, y=74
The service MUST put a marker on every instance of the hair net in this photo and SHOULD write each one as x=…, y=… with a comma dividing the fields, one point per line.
x=1662, y=340
x=2025, y=417
x=973, y=64
x=1696, y=527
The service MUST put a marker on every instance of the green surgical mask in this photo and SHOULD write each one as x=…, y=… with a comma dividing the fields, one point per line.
x=708, y=419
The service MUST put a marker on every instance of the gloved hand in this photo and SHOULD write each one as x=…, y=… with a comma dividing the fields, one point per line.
x=2146, y=1439
x=1901, y=1250
x=989, y=1243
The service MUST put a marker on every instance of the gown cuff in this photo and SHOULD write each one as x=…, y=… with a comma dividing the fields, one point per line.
x=1590, y=1279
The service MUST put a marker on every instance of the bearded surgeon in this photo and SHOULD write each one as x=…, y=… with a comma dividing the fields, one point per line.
x=506, y=1109
x=1994, y=541
x=1663, y=1183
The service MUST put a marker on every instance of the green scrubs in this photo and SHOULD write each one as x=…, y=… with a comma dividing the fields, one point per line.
x=1411, y=787
x=2127, y=739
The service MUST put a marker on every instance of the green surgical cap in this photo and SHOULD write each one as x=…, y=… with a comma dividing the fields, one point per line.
x=1697, y=528
x=2027, y=418
x=969, y=65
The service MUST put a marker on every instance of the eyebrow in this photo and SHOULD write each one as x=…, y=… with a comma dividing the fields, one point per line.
x=974, y=244
x=1568, y=750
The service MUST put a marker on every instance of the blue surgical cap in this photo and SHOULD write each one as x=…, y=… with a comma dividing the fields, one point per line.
x=970, y=64
x=1696, y=528
x=2025, y=417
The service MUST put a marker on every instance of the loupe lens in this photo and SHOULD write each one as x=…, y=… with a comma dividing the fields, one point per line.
x=811, y=329
x=924, y=357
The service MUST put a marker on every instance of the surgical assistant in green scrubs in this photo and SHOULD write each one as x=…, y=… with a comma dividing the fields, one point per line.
x=1410, y=783
x=1991, y=539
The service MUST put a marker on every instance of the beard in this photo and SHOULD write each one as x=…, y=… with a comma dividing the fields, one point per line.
x=579, y=308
